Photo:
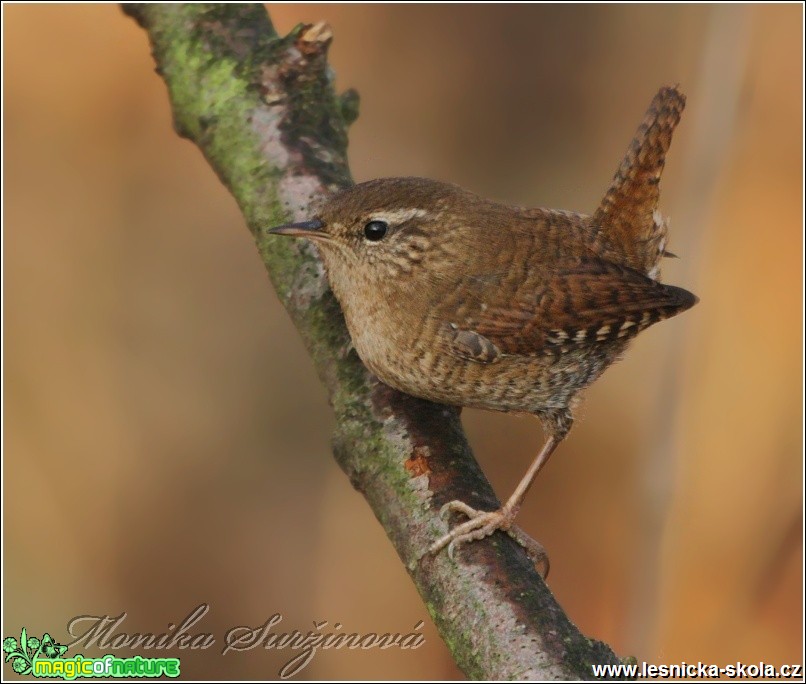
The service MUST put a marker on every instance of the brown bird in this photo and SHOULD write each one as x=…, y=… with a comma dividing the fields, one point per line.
x=465, y=301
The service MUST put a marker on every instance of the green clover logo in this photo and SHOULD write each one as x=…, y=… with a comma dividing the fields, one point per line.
x=23, y=654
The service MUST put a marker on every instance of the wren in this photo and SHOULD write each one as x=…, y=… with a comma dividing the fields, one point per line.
x=465, y=301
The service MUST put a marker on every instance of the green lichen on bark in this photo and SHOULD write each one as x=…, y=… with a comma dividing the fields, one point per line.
x=211, y=98
x=263, y=110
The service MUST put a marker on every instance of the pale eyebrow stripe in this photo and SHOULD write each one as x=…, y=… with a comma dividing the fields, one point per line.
x=397, y=216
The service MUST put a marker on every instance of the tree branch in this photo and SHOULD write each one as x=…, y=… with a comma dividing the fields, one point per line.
x=263, y=111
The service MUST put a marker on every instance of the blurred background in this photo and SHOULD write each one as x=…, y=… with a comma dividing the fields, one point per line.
x=167, y=441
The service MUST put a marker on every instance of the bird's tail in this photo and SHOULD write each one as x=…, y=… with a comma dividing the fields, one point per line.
x=628, y=217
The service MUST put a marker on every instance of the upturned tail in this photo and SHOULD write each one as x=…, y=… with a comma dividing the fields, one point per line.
x=628, y=217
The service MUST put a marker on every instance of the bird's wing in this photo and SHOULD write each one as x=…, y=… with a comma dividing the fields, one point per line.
x=590, y=303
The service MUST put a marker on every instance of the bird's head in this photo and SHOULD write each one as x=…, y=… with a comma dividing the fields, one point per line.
x=382, y=229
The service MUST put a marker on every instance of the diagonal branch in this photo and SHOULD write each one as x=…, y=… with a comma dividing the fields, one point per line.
x=263, y=111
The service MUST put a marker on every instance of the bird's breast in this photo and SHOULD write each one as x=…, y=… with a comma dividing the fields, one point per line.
x=411, y=354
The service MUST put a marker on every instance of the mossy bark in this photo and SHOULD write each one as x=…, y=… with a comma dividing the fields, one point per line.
x=263, y=111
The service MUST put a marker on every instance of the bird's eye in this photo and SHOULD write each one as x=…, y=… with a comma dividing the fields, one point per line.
x=375, y=230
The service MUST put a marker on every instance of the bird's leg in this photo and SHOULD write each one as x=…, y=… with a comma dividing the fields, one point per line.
x=484, y=523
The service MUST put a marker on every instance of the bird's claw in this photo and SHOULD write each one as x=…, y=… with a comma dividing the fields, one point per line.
x=481, y=524
x=459, y=507
x=534, y=549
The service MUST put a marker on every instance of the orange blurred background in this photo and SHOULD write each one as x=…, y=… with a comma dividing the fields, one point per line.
x=167, y=441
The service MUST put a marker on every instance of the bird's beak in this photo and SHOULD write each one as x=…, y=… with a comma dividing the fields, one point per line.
x=308, y=229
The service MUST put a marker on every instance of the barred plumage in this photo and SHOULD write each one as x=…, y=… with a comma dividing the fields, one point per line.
x=462, y=300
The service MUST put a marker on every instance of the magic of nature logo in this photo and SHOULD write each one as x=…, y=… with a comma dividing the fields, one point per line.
x=46, y=658
x=31, y=656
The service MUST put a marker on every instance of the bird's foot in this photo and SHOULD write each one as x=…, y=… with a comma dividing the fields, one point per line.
x=482, y=524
